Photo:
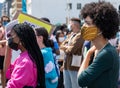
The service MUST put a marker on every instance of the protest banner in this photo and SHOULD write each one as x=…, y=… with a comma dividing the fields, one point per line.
x=33, y=21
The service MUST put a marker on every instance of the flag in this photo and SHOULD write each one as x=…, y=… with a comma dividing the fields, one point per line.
x=24, y=6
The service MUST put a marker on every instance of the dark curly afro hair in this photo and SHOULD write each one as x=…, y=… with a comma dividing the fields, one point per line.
x=104, y=16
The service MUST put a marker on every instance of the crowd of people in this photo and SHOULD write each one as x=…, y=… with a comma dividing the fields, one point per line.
x=74, y=55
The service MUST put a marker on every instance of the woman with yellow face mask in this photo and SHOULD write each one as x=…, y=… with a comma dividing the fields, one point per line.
x=101, y=24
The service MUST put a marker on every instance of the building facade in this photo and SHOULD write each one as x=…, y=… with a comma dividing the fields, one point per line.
x=60, y=11
x=16, y=6
x=6, y=5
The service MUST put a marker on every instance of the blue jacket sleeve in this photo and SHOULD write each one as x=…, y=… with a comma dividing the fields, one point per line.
x=50, y=71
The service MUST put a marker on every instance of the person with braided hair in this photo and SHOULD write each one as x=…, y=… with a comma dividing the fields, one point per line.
x=27, y=71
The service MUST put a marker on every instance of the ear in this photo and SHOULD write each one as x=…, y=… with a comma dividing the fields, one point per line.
x=20, y=43
x=41, y=38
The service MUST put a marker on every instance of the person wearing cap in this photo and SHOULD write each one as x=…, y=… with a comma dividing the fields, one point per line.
x=27, y=71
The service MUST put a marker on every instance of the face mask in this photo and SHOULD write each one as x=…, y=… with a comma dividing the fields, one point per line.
x=5, y=23
x=61, y=39
x=12, y=45
x=89, y=33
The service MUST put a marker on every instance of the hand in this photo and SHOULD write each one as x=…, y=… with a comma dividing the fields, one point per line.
x=92, y=50
x=90, y=53
x=2, y=41
x=6, y=42
x=118, y=48
x=61, y=68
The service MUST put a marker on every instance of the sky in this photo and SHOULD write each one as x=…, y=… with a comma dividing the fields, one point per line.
x=1, y=1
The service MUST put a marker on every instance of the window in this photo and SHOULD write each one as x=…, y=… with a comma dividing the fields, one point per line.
x=69, y=6
x=78, y=5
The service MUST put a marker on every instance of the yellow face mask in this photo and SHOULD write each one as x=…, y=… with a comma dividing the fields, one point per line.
x=89, y=33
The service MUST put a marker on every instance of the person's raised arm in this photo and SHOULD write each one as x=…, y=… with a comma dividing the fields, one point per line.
x=86, y=61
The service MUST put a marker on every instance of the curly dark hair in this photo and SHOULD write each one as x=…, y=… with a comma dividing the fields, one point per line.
x=104, y=16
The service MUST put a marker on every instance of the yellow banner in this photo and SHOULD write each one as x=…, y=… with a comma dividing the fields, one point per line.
x=34, y=22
